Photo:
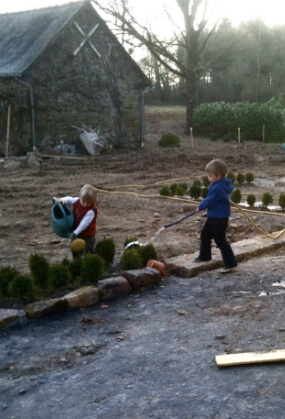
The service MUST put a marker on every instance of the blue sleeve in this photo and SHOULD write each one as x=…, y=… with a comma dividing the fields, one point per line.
x=209, y=201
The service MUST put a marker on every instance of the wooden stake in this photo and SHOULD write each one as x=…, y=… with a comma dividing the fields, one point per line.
x=263, y=133
x=8, y=131
x=245, y=358
x=239, y=135
x=192, y=140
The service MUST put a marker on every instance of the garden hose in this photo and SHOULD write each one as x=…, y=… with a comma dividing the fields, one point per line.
x=234, y=205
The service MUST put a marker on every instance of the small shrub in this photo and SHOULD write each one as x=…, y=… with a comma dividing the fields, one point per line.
x=197, y=182
x=130, y=259
x=39, y=267
x=173, y=187
x=251, y=200
x=184, y=186
x=106, y=249
x=213, y=136
x=165, y=191
x=249, y=177
x=228, y=137
x=7, y=274
x=169, y=139
x=205, y=181
x=281, y=202
x=21, y=287
x=59, y=275
x=146, y=253
x=236, y=196
x=267, y=199
x=180, y=190
x=195, y=191
x=231, y=176
x=240, y=178
x=92, y=268
x=74, y=267
x=204, y=192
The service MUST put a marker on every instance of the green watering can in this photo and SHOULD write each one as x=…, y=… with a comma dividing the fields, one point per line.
x=62, y=219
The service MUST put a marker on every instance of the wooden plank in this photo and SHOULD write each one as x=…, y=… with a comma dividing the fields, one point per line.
x=277, y=355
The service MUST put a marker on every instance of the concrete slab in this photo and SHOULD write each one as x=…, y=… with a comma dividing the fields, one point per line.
x=185, y=267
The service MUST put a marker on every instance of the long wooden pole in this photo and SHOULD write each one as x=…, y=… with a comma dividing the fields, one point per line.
x=8, y=131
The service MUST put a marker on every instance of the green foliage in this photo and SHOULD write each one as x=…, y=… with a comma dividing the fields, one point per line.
x=249, y=177
x=204, y=192
x=146, y=253
x=205, y=181
x=281, y=202
x=173, y=187
x=180, y=190
x=195, y=191
x=251, y=200
x=197, y=182
x=59, y=275
x=240, y=178
x=106, y=249
x=74, y=266
x=236, y=196
x=228, y=137
x=184, y=186
x=267, y=199
x=39, y=267
x=224, y=118
x=214, y=136
x=92, y=268
x=130, y=259
x=7, y=274
x=231, y=176
x=169, y=139
x=165, y=191
x=21, y=287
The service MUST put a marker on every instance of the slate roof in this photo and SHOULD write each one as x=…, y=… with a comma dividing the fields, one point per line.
x=24, y=35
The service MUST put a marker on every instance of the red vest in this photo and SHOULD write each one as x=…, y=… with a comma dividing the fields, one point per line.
x=79, y=211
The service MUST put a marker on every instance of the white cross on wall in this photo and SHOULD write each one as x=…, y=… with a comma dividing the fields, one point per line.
x=86, y=39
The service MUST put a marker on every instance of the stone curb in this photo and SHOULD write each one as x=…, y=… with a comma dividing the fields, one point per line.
x=85, y=296
x=184, y=266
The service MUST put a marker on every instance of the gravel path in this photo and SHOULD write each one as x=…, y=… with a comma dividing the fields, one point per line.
x=152, y=354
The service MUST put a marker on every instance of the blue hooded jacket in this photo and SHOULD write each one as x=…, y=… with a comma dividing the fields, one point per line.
x=217, y=201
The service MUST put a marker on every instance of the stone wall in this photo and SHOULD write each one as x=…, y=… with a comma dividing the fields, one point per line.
x=70, y=90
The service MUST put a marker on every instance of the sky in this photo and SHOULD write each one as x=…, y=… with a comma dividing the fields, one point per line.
x=270, y=12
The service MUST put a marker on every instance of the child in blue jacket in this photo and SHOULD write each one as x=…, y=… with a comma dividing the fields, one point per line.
x=217, y=204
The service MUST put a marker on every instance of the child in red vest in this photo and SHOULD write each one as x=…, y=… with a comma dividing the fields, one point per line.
x=85, y=214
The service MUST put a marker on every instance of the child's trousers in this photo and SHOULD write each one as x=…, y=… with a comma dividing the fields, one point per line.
x=215, y=228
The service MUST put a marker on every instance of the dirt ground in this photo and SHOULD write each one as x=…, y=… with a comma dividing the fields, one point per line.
x=129, y=200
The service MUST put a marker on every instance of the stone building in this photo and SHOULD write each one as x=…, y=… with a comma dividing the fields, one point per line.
x=61, y=67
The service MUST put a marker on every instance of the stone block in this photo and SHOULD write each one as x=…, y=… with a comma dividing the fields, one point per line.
x=142, y=278
x=45, y=308
x=8, y=317
x=113, y=287
x=83, y=297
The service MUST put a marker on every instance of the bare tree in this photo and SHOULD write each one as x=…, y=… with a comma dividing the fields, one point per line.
x=191, y=39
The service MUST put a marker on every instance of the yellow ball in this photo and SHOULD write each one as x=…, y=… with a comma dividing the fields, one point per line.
x=78, y=245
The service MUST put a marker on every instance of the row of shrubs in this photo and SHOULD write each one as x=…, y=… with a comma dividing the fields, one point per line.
x=266, y=199
x=199, y=187
x=46, y=279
